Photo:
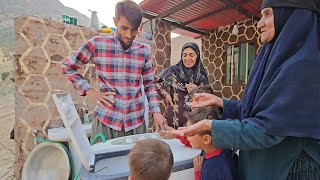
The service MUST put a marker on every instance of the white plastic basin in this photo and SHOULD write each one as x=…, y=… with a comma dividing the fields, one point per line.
x=47, y=161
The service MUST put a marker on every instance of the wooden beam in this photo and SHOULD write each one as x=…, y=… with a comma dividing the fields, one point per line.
x=187, y=28
x=229, y=5
x=238, y=8
x=173, y=28
x=207, y=15
x=175, y=24
x=177, y=8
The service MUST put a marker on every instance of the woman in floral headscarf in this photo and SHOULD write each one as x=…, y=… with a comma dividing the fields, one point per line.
x=176, y=81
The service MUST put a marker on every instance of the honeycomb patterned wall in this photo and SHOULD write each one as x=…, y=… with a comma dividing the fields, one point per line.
x=161, y=45
x=214, y=55
x=41, y=45
x=161, y=53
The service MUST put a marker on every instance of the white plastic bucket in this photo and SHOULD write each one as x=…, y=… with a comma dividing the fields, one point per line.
x=47, y=161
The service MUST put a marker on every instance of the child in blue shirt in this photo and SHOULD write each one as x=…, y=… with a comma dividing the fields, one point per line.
x=217, y=163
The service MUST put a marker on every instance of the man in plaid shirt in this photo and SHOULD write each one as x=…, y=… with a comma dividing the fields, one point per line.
x=121, y=65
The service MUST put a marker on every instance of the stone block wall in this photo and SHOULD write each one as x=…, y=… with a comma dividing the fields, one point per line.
x=161, y=45
x=161, y=52
x=214, y=55
x=41, y=45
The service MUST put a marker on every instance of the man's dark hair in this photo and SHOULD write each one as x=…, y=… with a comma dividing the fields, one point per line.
x=151, y=159
x=202, y=113
x=131, y=11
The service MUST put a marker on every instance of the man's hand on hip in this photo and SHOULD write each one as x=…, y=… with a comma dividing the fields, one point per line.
x=159, y=120
x=102, y=99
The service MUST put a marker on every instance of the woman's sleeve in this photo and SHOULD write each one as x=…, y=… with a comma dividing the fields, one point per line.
x=162, y=90
x=241, y=135
x=231, y=109
x=184, y=140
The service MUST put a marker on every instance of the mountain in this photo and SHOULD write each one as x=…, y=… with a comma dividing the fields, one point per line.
x=50, y=9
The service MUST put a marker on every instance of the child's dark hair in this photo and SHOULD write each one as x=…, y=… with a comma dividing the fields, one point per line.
x=201, y=89
x=131, y=11
x=151, y=159
x=202, y=113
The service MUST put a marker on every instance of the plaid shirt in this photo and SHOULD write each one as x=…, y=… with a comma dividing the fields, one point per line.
x=120, y=71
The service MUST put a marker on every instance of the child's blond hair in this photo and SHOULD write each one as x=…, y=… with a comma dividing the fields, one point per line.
x=150, y=159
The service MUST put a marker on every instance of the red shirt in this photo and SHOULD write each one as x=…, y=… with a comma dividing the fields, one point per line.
x=184, y=140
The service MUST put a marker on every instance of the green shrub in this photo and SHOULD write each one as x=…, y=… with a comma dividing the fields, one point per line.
x=5, y=75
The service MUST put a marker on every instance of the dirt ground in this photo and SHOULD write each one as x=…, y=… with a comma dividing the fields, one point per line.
x=7, y=118
x=6, y=145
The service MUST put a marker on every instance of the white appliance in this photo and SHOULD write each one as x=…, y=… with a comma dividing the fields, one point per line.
x=109, y=160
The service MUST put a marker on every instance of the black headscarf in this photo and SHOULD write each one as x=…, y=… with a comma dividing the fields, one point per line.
x=184, y=75
x=282, y=96
x=313, y=5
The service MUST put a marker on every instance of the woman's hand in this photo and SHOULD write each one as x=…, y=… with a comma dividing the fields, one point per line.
x=201, y=126
x=205, y=99
x=197, y=163
x=190, y=87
